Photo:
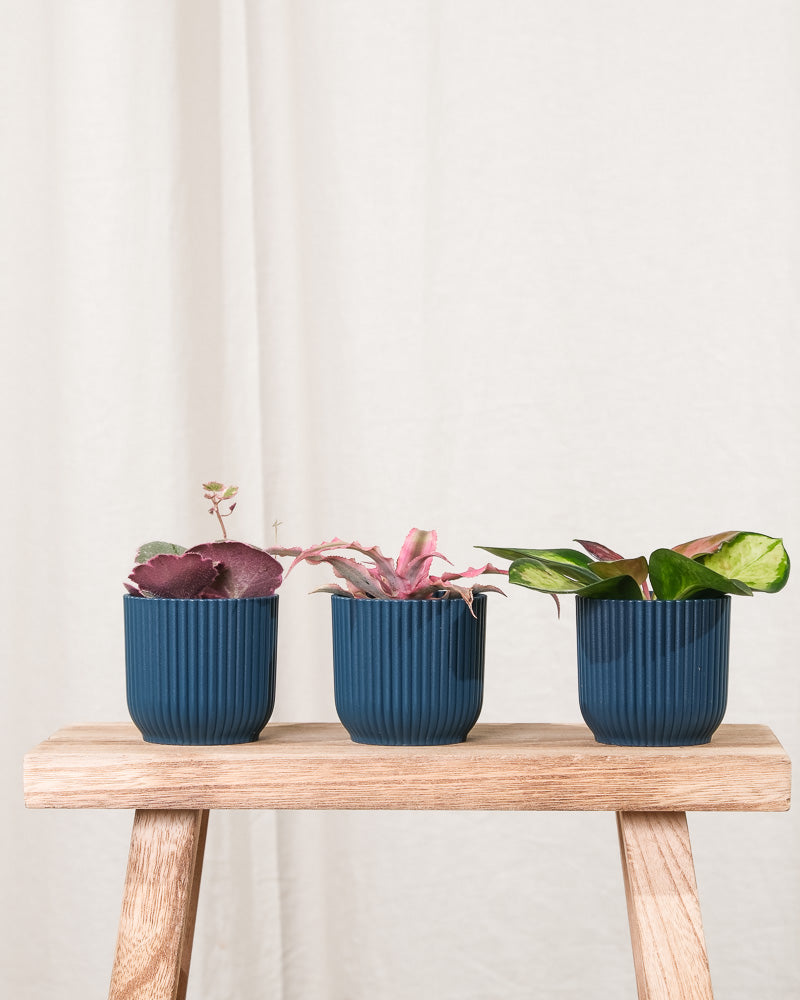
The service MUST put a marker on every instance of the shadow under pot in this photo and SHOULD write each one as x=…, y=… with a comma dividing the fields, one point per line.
x=408, y=672
x=200, y=672
x=653, y=673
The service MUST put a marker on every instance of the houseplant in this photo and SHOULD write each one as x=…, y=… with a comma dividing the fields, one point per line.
x=653, y=634
x=408, y=646
x=200, y=637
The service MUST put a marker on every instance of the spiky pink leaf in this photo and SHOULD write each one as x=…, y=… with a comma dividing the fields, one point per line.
x=472, y=571
x=598, y=551
x=278, y=550
x=244, y=570
x=416, y=556
x=184, y=576
x=409, y=578
x=436, y=586
x=704, y=546
x=418, y=571
x=353, y=572
x=385, y=566
x=465, y=593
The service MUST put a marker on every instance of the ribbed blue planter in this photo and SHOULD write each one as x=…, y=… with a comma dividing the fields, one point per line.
x=200, y=672
x=408, y=673
x=653, y=673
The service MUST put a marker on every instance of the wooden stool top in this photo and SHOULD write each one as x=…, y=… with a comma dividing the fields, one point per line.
x=520, y=766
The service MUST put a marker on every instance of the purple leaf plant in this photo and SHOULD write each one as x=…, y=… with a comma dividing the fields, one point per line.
x=408, y=577
x=211, y=570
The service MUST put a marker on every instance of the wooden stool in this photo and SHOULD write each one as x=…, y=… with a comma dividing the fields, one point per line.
x=316, y=766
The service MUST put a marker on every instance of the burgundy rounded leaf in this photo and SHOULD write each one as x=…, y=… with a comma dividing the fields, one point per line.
x=183, y=576
x=244, y=570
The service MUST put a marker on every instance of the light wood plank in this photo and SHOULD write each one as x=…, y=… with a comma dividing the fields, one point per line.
x=316, y=766
x=158, y=907
x=669, y=950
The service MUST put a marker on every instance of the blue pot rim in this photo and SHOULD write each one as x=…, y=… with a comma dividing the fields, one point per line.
x=721, y=598
x=196, y=600
x=405, y=600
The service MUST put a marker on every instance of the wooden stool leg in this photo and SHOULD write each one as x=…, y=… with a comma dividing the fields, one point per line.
x=669, y=949
x=191, y=914
x=159, y=904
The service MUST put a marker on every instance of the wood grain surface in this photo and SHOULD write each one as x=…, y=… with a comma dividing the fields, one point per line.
x=316, y=766
x=669, y=950
x=156, y=926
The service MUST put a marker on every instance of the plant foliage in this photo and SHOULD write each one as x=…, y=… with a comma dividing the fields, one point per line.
x=730, y=562
x=224, y=569
x=406, y=578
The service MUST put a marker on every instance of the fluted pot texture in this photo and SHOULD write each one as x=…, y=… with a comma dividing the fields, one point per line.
x=653, y=673
x=408, y=673
x=200, y=672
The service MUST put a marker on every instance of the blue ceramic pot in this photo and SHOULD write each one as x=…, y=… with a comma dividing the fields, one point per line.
x=200, y=672
x=653, y=673
x=408, y=673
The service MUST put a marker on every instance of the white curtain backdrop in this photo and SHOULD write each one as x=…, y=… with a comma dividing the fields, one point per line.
x=520, y=271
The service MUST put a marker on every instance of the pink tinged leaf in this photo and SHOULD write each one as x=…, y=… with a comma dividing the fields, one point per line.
x=134, y=591
x=245, y=570
x=464, y=592
x=352, y=590
x=303, y=555
x=437, y=588
x=417, y=573
x=416, y=556
x=334, y=588
x=704, y=546
x=184, y=576
x=487, y=588
x=277, y=550
x=352, y=572
x=598, y=551
x=472, y=571
x=385, y=566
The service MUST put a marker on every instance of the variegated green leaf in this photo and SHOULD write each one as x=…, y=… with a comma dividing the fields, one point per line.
x=675, y=577
x=569, y=556
x=757, y=560
x=567, y=563
x=549, y=577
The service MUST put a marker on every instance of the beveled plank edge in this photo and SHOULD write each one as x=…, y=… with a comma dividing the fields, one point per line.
x=560, y=787
x=282, y=802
